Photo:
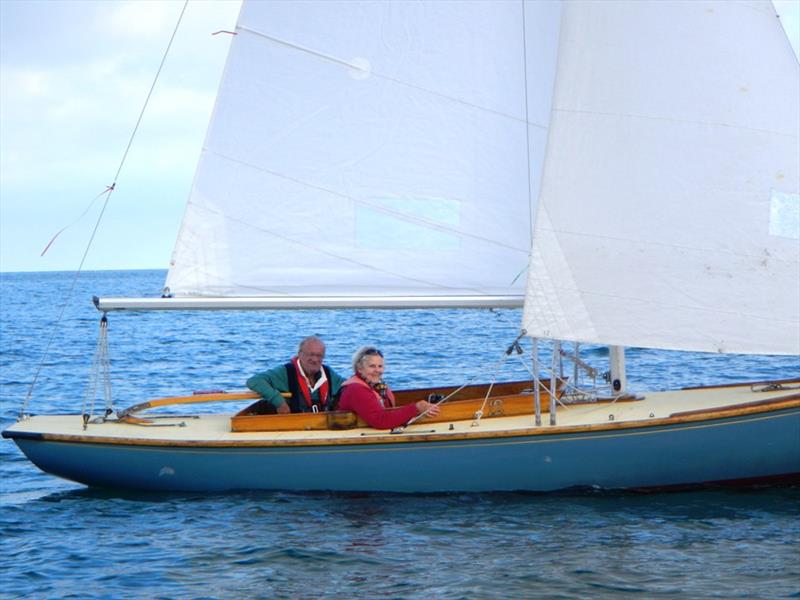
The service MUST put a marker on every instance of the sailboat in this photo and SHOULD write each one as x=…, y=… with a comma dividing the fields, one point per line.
x=625, y=171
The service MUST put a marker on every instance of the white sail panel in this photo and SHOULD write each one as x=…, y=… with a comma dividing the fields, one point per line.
x=371, y=149
x=674, y=136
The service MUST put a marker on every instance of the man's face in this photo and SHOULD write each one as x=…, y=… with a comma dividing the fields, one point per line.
x=311, y=356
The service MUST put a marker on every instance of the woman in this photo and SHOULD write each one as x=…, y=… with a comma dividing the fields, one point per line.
x=366, y=394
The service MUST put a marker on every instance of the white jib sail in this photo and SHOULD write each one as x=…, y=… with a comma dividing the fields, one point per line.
x=668, y=214
x=372, y=150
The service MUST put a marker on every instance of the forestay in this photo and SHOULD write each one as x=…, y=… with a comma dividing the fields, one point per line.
x=668, y=215
x=376, y=151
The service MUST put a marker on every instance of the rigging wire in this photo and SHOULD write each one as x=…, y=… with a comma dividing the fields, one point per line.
x=100, y=374
x=83, y=214
x=109, y=190
x=494, y=368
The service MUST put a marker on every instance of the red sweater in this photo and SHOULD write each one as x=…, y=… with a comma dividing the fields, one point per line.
x=366, y=403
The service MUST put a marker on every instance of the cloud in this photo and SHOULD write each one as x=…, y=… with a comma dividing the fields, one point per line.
x=137, y=19
x=73, y=81
x=71, y=116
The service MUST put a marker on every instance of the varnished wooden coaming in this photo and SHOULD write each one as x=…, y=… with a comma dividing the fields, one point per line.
x=506, y=399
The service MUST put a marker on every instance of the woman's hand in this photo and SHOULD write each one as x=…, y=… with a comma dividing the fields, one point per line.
x=424, y=405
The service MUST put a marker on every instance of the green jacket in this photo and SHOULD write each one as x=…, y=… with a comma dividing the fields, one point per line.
x=270, y=384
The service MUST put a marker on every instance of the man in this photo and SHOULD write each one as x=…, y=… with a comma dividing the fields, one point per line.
x=310, y=385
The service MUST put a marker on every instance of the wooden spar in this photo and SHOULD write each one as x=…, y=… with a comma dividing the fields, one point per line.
x=194, y=399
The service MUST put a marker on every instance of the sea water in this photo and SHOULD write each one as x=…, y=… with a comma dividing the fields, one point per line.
x=62, y=540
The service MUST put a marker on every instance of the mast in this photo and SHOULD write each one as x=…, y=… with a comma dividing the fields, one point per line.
x=616, y=360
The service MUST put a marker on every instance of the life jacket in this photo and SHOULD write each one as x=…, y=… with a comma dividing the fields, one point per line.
x=386, y=399
x=301, y=399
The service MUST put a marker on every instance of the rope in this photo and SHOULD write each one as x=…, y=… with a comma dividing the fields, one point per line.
x=108, y=191
x=83, y=214
x=514, y=347
x=479, y=412
x=494, y=369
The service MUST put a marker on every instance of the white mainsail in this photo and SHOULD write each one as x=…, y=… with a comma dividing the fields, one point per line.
x=668, y=213
x=373, y=150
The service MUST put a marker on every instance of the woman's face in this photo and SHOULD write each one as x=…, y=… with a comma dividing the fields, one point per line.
x=371, y=368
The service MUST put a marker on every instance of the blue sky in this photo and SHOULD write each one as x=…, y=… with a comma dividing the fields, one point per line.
x=73, y=77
